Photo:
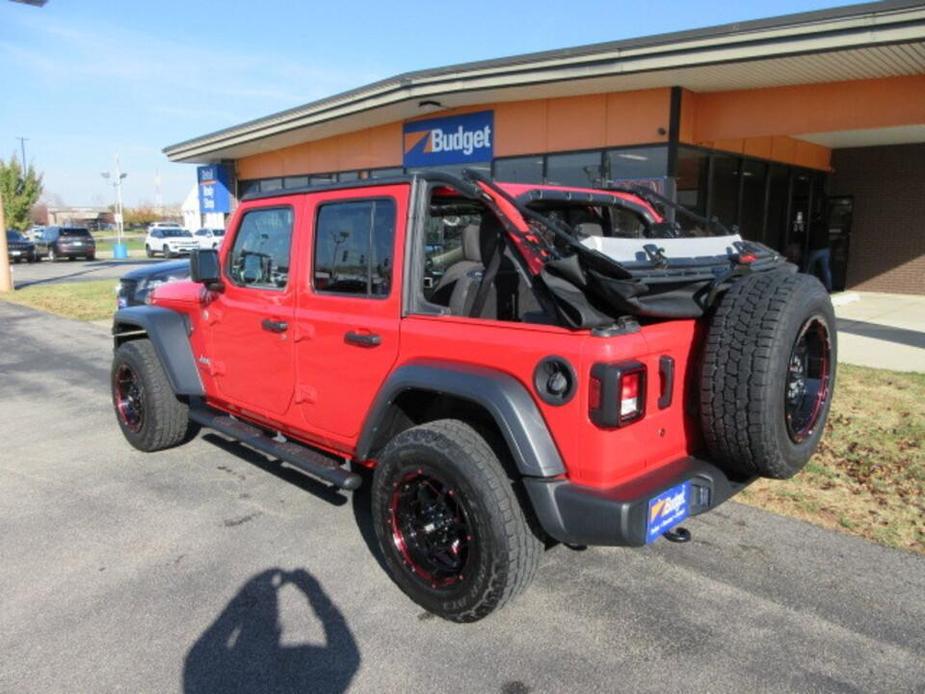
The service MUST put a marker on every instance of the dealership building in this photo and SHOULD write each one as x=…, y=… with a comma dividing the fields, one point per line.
x=776, y=126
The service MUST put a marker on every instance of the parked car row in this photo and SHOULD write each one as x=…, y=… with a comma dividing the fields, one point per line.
x=51, y=243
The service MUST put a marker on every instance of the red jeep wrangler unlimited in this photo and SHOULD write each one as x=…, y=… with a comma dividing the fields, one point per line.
x=517, y=364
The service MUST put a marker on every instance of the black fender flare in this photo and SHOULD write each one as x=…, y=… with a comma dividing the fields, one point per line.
x=503, y=397
x=168, y=331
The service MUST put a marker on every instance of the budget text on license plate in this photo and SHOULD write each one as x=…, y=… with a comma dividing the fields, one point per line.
x=667, y=510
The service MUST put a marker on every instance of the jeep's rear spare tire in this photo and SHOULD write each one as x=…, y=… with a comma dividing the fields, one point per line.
x=451, y=531
x=768, y=374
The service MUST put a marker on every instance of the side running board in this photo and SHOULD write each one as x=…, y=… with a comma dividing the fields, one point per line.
x=304, y=459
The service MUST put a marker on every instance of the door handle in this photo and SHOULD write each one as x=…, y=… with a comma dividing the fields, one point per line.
x=362, y=339
x=274, y=326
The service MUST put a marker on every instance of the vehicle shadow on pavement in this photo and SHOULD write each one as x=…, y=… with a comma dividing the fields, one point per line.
x=274, y=467
x=242, y=650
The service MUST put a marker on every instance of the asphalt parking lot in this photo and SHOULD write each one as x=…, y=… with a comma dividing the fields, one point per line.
x=47, y=272
x=209, y=568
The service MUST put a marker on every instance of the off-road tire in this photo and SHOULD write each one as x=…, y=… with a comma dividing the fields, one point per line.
x=166, y=420
x=744, y=372
x=505, y=552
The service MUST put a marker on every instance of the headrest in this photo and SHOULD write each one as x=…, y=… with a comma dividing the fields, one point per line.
x=470, y=243
x=590, y=229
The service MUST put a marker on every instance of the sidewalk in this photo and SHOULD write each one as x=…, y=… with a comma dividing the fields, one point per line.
x=885, y=331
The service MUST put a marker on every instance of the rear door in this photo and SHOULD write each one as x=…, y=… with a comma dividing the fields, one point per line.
x=349, y=305
x=249, y=323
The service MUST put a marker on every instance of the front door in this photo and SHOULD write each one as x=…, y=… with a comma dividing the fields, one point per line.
x=349, y=306
x=249, y=323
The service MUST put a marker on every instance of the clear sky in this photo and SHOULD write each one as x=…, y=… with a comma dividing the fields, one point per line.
x=86, y=79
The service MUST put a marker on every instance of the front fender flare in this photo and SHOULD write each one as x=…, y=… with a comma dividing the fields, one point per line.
x=169, y=333
x=503, y=397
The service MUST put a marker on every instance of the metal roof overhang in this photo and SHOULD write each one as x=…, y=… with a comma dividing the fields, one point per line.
x=875, y=40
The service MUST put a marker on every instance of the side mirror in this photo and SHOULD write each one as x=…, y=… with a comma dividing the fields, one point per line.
x=204, y=268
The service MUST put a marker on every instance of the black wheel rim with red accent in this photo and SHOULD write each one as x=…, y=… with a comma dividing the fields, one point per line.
x=128, y=393
x=431, y=529
x=808, y=374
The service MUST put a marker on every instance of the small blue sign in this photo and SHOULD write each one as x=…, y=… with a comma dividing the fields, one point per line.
x=464, y=139
x=667, y=510
x=214, y=188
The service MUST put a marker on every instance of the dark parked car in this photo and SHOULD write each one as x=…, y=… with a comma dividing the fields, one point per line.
x=65, y=242
x=18, y=247
x=135, y=286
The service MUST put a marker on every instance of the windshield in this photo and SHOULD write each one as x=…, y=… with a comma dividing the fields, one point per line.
x=175, y=232
x=75, y=232
x=218, y=232
x=12, y=235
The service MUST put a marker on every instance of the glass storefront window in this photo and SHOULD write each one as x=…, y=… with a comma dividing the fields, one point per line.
x=724, y=189
x=753, y=188
x=295, y=181
x=268, y=184
x=454, y=169
x=637, y=162
x=519, y=169
x=581, y=169
x=691, y=184
x=778, y=196
x=386, y=173
x=319, y=179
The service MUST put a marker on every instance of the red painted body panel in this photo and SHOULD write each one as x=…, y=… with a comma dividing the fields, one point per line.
x=312, y=385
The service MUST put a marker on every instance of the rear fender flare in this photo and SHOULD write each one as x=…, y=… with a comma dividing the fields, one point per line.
x=507, y=401
x=169, y=333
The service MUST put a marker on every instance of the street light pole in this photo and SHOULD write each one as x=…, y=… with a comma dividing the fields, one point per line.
x=117, y=177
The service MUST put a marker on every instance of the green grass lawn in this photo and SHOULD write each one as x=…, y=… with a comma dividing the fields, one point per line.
x=868, y=476
x=94, y=300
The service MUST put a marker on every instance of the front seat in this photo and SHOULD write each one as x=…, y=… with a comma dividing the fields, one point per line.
x=471, y=262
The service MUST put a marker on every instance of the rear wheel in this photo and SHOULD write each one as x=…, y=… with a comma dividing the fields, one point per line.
x=768, y=374
x=149, y=414
x=449, y=525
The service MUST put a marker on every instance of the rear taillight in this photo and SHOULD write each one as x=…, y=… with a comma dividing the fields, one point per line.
x=617, y=393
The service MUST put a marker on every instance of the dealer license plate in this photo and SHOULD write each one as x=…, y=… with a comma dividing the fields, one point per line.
x=667, y=510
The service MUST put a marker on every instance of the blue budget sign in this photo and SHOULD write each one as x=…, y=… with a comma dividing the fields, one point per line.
x=461, y=139
x=214, y=185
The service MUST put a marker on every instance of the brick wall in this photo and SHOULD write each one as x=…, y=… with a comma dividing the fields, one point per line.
x=887, y=251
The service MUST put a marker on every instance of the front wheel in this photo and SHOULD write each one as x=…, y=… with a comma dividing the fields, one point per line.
x=449, y=525
x=149, y=414
x=148, y=251
x=167, y=253
x=52, y=256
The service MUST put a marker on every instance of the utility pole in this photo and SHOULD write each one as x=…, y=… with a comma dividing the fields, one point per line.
x=22, y=145
x=6, y=277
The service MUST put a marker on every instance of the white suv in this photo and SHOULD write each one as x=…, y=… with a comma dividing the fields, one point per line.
x=210, y=238
x=169, y=241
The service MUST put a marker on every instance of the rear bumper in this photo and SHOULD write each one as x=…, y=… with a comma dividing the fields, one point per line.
x=581, y=515
x=75, y=252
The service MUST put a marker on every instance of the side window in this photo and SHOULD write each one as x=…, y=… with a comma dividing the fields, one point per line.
x=260, y=256
x=354, y=243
